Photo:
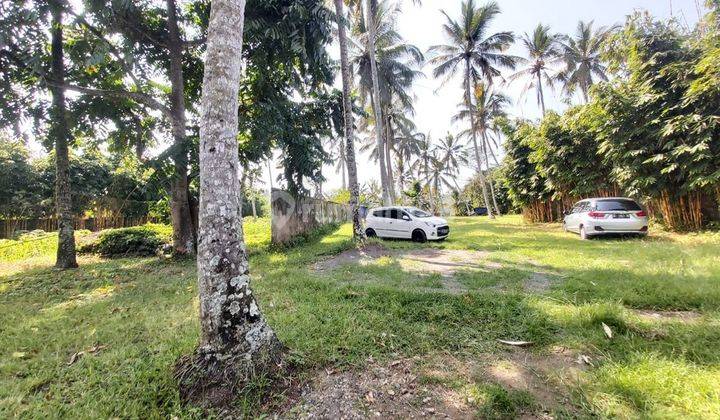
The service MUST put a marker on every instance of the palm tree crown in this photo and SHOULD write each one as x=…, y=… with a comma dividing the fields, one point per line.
x=582, y=57
x=543, y=51
x=469, y=43
x=396, y=59
x=476, y=54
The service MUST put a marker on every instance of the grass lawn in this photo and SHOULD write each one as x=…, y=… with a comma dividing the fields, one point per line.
x=133, y=317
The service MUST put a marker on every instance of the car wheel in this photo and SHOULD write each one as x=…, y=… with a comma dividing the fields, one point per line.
x=370, y=233
x=419, y=236
x=583, y=233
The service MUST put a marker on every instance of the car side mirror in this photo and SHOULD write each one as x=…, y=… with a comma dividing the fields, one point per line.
x=406, y=217
x=566, y=212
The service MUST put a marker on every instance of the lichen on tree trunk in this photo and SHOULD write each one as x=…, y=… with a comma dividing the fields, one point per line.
x=236, y=342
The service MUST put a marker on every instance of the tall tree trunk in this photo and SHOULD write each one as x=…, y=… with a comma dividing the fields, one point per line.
x=541, y=97
x=388, y=159
x=183, y=229
x=60, y=134
x=438, y=194
x=236, y=343
x=370, y=17
x=495, y=159
x=318, y=186
x=401, y=174
x=585, y=94
x=343, y=166
x=486, y=145
x=473, y=135
x=269, y=164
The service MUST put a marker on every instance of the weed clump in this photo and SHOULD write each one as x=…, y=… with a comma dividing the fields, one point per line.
x=135, y=241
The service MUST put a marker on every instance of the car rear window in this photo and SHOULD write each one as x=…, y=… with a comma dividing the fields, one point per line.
x=617, y=205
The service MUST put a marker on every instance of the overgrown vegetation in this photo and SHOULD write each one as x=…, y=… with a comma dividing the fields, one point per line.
x=140, y=315
x=141, y=241
x=651, y=132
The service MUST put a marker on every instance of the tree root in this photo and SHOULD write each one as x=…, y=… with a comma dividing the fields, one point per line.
x=212, y=379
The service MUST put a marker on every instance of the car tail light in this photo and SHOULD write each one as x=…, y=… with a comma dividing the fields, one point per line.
x=596, y=214
x=641, y=213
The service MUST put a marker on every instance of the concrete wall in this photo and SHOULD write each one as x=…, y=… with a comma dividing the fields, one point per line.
x=293, y=216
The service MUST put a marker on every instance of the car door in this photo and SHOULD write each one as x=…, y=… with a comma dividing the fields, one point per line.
x=404, y=224
x=393, y=225
x=576, y=215
x=580, y=213
x=380, y=222
x=571, y=217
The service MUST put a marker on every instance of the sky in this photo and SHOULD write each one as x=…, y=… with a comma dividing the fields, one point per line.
x=436, y=103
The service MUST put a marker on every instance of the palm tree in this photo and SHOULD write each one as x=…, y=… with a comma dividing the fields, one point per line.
x=393, y=70
x=479, y=56
x=422, y=165
x=371, y=38
x=439, y=176
x=489, y=105
x=407, y=146
x=453, y=155
x=543, y=51
x=582, y=56
x=347, y=153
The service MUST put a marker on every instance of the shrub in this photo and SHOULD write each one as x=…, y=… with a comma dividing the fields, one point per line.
x=132, y=241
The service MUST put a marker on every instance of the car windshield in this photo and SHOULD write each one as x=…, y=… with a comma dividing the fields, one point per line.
x=417, y=212
x=617, y=205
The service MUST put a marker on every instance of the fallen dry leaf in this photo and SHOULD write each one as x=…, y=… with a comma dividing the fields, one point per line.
x=92, y=350
x=608, y=331
x=19, y=355
x=369, y=397
x=96, y=348
x=517, y=343
x=75, y=357
x=584, y=359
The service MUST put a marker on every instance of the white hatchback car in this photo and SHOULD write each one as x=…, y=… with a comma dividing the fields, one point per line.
x=407, y=223
x=600, y=216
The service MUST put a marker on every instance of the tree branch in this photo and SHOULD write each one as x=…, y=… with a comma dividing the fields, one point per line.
x=194, y=42
x=115, y=52
x=140, y=97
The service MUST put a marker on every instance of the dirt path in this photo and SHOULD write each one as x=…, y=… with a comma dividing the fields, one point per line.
x=424, y=261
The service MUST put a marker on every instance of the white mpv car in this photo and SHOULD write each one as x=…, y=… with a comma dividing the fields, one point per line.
x=600, y=216
x=405, y=222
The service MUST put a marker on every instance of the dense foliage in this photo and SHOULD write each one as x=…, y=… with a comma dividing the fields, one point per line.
x=652, y=132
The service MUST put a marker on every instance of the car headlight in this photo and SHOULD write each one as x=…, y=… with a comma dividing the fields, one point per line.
x=432, y=225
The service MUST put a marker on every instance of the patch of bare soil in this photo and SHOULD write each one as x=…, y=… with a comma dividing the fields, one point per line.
x=356, y=255
x=412, y=388
x=682, y=316
x=384, y=391
x=538, y=283
x=445, y=262
x=543, y=376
